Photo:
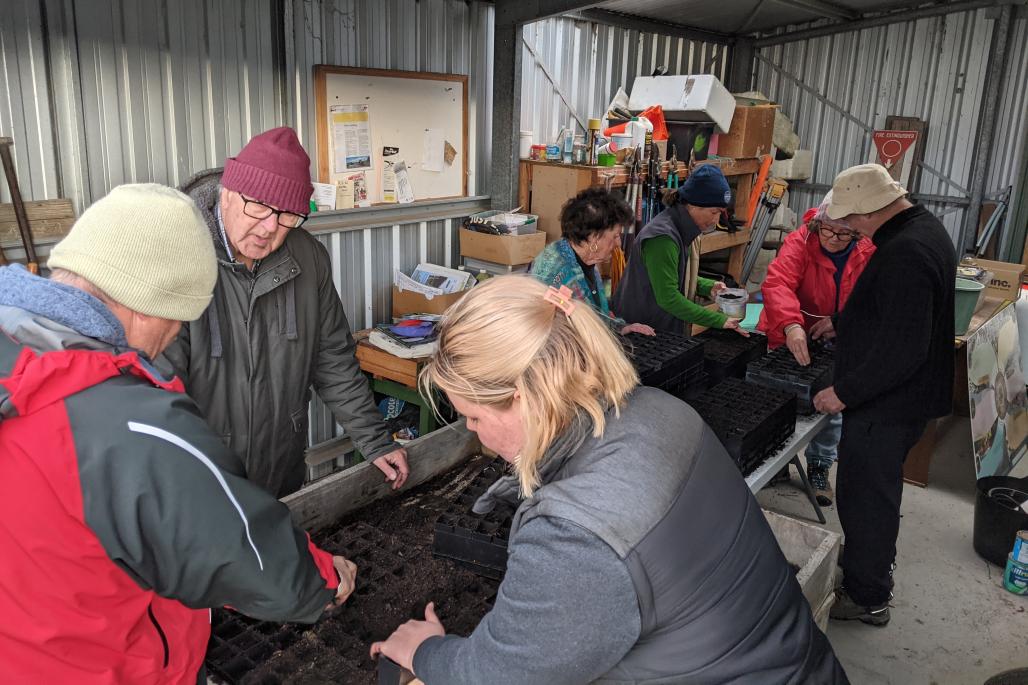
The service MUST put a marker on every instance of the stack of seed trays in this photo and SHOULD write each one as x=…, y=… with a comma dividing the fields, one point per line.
x=779, y=369
x=752, y=421
x=478, y=542
x=674, y=363
x=727, y=353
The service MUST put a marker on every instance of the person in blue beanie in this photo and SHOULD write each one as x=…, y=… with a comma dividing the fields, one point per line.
x=662, y=280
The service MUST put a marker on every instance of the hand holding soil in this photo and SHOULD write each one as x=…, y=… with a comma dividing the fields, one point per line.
x=733, y=325
x=405, y=640
x=347, y=571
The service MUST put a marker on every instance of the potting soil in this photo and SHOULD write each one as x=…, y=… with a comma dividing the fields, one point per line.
x=390, y=541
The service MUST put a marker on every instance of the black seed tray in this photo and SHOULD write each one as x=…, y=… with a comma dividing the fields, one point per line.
x=727, y=353
x=688, y=383
x=752, y=421
x=780, y=370
x=477, y=542
x=662, y=359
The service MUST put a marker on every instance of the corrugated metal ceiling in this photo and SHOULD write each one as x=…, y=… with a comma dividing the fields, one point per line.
x=747, y=16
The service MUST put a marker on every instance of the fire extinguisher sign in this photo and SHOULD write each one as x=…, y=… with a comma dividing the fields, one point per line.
x=890, y=150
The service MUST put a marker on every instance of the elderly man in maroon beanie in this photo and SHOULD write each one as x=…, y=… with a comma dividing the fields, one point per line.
x=275, y=327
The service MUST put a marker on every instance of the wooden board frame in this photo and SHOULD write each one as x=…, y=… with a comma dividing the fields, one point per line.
x=323, y=71
x=325, y=501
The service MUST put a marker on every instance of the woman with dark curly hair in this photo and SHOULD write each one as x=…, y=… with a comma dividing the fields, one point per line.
x=591, y=224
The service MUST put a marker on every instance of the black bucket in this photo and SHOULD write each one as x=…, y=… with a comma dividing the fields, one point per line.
x=995, y=521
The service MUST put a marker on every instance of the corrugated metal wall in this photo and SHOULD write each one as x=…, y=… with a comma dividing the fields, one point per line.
x=589, y=62
x=102, y=92
x=932, y=68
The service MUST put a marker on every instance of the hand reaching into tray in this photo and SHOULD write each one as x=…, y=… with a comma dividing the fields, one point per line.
x=347, y=571
x=405, y=640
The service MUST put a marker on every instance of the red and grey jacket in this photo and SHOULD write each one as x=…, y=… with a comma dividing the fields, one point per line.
x=123, y=518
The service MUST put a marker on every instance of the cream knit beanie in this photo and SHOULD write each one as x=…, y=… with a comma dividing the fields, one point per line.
x=147, y=247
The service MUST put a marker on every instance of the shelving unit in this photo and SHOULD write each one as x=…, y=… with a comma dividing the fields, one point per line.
x=544, y=187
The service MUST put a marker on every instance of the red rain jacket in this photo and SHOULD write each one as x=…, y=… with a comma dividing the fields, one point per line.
x=802, y=277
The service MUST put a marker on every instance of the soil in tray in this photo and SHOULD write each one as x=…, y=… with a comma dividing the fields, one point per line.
x=391, y=543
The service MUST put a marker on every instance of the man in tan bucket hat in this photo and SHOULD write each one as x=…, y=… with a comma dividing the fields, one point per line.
x=893, y=373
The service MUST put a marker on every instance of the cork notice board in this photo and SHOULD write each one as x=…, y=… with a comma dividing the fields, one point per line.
x=370, y=119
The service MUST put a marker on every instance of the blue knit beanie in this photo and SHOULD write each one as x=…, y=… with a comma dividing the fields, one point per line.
x=706, y=187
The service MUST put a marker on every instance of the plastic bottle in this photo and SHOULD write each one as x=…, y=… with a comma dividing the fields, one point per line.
x=590, y=141
x=569, y=142
x=637, y=130
x=647, y=139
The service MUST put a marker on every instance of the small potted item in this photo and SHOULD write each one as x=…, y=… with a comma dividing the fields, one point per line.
x=732, y=302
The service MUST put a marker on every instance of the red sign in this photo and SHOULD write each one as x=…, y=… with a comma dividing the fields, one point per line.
x=891, y=145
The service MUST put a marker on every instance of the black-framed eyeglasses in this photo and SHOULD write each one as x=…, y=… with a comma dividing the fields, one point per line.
x=255, y=209
x=841, y=236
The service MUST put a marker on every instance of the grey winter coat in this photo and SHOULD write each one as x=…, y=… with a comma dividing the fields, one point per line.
x=268, y=336
x=643, y=558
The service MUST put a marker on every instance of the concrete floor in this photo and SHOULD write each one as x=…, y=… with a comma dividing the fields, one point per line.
x=952, y=621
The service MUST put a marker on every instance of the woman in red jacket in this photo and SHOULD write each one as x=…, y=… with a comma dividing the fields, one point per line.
x=807, y=284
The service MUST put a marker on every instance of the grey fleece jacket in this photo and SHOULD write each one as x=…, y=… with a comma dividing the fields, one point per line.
x=267, y=338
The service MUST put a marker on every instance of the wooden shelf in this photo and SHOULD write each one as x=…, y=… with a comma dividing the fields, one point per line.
x=599, y=174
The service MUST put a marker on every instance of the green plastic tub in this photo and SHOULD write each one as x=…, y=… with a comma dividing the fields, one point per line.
x=966, y=302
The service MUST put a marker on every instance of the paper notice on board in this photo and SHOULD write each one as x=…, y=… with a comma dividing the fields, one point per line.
x=390, y=156
x=432, y=157
x=325, y=195
x=344, y=194
x=360, y=190
x=404, y=191
x=351, y=137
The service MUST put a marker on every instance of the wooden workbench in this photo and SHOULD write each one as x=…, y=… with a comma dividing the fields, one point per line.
x=396, y=377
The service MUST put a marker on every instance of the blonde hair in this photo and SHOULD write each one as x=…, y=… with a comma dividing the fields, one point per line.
x=503, y=338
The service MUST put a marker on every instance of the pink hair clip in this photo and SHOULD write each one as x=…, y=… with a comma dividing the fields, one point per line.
x=561, y=299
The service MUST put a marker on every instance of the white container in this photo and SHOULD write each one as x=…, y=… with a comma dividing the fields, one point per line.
x=525, y=147
x=732, y=302
x=621, y=141
x=637, y=130
x=699, y=97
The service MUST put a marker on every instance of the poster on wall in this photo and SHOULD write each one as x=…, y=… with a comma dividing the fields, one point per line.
x=996, y=390
x=351, y=137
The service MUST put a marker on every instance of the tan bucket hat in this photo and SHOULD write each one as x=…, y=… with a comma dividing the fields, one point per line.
x=863, y=189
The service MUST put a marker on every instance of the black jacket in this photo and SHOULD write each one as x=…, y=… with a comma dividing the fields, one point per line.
x=894, y=360
x=268, y=337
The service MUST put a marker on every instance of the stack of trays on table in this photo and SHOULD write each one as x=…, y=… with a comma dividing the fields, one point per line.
x=727, y=353
x=780, y=370
x=478, y=542
x=752, y=421
x=674, y=363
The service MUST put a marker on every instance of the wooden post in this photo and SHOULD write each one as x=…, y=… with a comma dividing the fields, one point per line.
x=19, y=206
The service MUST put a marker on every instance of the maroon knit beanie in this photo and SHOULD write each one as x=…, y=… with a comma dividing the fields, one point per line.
x=273, y=168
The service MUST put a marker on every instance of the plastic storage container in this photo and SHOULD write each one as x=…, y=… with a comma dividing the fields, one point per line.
x=966, y=302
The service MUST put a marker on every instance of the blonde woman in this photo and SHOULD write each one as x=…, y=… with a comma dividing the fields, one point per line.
x=637, y=554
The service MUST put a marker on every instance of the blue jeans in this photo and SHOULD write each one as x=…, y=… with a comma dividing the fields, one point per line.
x=824, y=448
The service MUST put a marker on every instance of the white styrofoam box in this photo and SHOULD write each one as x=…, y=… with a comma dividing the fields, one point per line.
x=784, y=137
x=699, y=97
x=799, y=168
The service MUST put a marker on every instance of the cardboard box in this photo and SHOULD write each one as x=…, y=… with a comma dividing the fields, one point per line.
x=699, y=97
x=751, y=132
x=501, y=249
x=1006, y=278
x=409, y=302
